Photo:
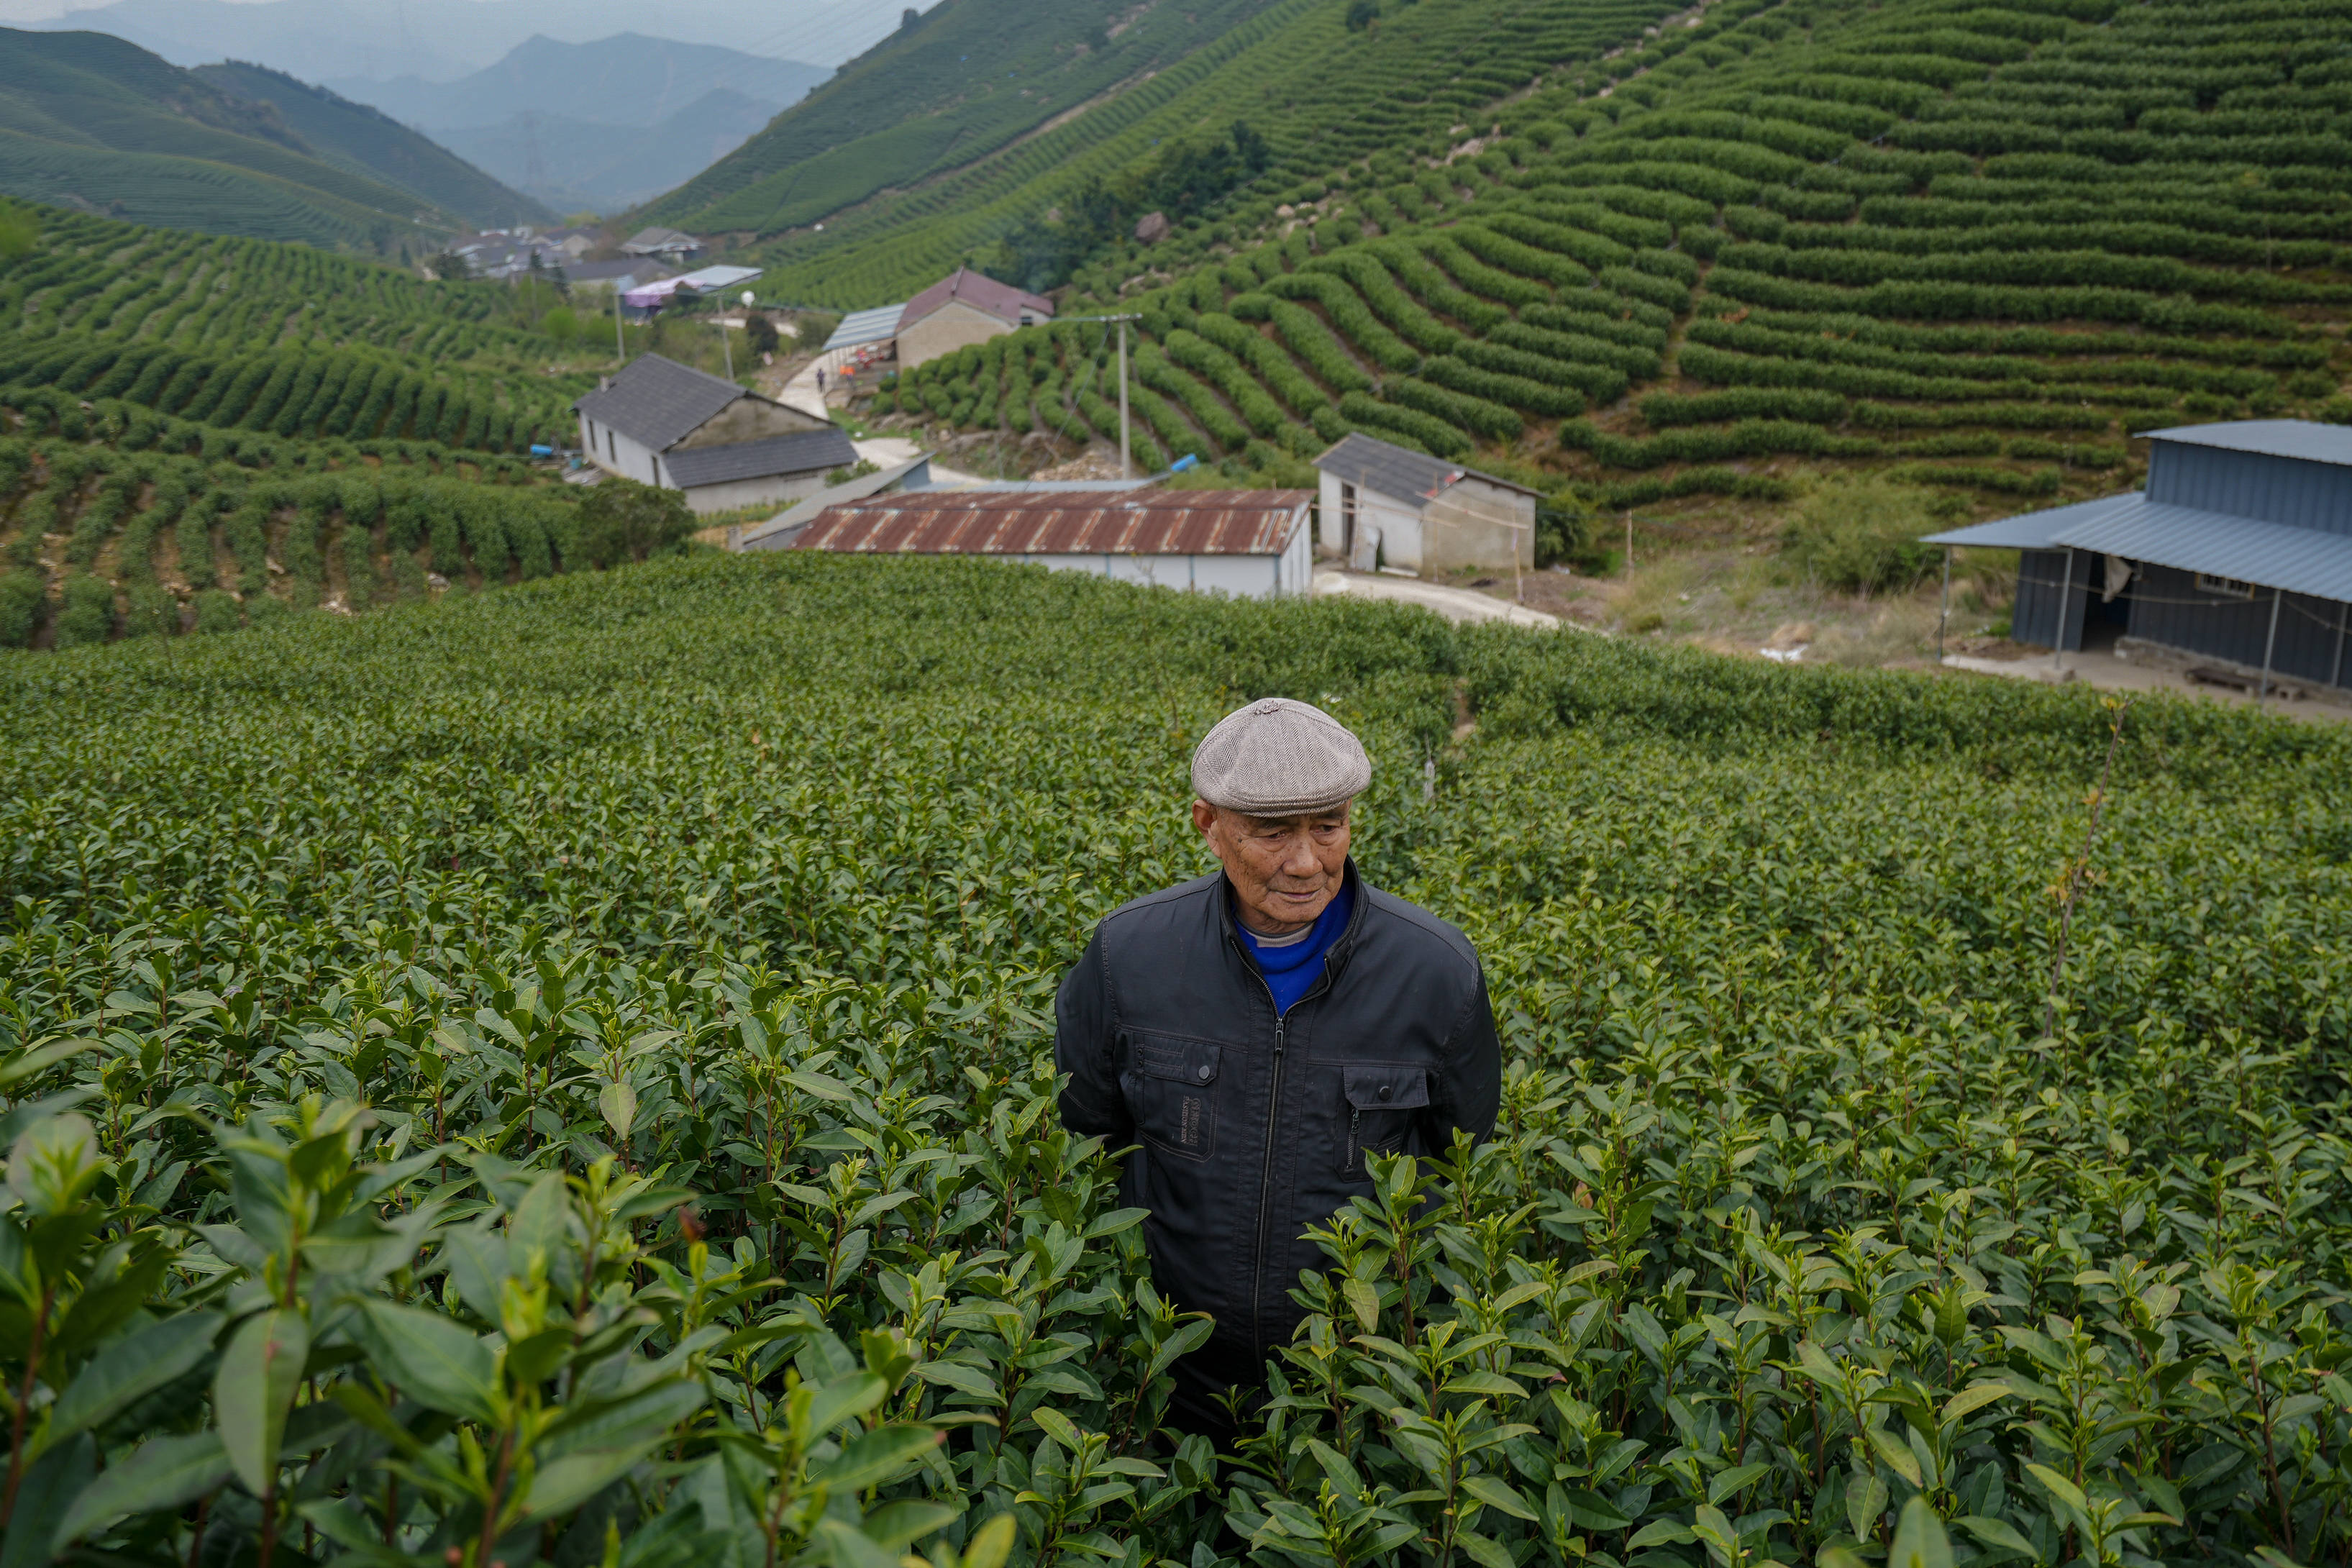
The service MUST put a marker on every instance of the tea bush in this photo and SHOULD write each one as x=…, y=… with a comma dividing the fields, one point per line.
x=562, y=1076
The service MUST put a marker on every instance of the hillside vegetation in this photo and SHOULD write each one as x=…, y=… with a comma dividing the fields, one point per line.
x=563, y=1077
x=1982, y=243
x=90, y=121
x=200, y=432
x=1318, y=91
x=365, y=140
x=961, y=81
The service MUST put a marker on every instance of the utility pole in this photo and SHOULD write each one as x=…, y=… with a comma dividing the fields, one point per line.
x=1944, y=607
x=1126, y=464
x=726, y=346
x=620, y=344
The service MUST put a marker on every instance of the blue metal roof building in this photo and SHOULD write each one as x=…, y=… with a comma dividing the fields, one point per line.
x=2240, y=549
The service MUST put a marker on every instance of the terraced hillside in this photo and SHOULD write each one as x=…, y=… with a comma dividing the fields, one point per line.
x=1983, y=242
x=198, y=432
x=89, y=122
x=960, y=82
x=1320, y=92
x=278, y=339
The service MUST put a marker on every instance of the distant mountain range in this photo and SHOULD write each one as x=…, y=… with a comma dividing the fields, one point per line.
x=604, y=125
x=365, y=139
x=92, y=121
x=440, y=40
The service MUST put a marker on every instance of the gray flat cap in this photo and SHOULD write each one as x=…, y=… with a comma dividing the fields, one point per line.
x=1279, y=758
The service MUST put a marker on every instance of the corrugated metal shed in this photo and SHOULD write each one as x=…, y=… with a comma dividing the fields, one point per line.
x=1082, y=522
x=2190, y=538
x=862, y=327
x=2033, y=530
x=2298, y=438
x=2267, y=554
x=2273, y=487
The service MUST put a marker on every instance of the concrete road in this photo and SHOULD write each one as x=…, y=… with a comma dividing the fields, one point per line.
x=1453, y=604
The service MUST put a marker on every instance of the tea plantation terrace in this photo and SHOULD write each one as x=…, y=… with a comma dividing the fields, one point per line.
x=2239, y=548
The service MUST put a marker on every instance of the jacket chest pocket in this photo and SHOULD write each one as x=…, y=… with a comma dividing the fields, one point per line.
x=1173, y=1094
x=1383, y=1102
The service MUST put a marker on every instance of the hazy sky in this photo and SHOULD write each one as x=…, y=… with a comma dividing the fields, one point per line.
x=443, y=40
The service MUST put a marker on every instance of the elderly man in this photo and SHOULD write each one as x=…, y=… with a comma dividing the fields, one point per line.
x=1255, y=1034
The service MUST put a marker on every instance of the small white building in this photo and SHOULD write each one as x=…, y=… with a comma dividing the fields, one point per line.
x=667, y=424
x=1389, y=506
x=1252, y=545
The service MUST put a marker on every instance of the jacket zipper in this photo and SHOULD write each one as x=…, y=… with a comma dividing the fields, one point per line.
x=1274, y=1110
x=1265, y=1190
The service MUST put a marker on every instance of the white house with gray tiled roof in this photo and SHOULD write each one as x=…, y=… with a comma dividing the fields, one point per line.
x=667, y=424
x=1388, y=506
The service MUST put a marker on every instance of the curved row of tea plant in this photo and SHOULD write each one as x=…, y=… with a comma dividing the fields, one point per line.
x=562, y=1077
x=1815, y=207
x=278, y=337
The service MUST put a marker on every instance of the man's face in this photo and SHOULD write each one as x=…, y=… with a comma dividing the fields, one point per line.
x=1286, y=870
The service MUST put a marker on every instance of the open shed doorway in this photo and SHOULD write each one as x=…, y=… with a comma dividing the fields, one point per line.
x=2109, y=584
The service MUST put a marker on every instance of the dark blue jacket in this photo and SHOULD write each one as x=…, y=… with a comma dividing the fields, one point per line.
x=1251, y=1127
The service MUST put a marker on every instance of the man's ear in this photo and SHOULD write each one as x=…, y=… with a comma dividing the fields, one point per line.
x=1205, y=817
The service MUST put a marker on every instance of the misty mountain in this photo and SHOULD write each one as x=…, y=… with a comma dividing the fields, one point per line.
x=576, y=164
x=439, y=40
x=355, y=137
x=626, y=80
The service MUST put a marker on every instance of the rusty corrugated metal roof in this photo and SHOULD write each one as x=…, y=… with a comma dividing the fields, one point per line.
x=1066, y=522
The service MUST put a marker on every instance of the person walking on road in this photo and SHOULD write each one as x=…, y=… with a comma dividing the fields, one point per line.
x=1252, y=1036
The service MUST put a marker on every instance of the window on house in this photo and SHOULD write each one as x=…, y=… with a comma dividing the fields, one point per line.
x=2227, y=587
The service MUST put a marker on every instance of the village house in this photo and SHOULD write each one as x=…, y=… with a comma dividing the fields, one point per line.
x=962, y=308
x=664, y=424
x=668, y=243
x=1389, y=507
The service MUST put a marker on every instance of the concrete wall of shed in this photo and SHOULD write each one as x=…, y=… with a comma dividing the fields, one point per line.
x=1386, y=530
x=776, y=489
x=750, y=419
x=1241, y=576
x=952, y=326
x=1478, y=526
x=616, y=454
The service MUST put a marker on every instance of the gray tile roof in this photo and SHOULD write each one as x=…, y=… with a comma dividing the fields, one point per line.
x=802, y=452
x=2272, y=438
x=659, y=402
x=1398, y=471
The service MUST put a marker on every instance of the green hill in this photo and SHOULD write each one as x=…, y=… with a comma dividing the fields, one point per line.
x=371, y=145
x=1318, y=90
x=205, y=430
x=960, y=82
x=90, y=121
x=1977, y=242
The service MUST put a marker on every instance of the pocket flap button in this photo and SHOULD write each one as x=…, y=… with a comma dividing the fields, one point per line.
x=1205, y=1071
x=1387, y=1091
